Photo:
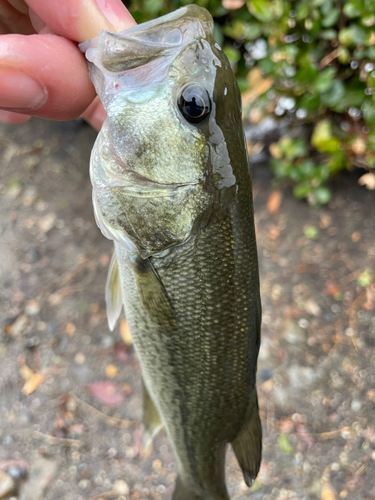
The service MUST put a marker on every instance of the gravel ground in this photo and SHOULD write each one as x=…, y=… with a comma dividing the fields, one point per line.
x=70, y=389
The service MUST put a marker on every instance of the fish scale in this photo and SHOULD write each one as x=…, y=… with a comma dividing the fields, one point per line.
x=171, y=187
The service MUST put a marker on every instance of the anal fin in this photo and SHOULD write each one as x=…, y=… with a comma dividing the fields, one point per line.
x=247, y=445
x=151, y=419
x=113, y=296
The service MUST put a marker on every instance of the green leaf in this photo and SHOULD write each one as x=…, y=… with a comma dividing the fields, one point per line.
x=343, y=55
x=261, y=9
x=353, y=35
x=334, y=95
x=365, y=278
x=321, y=195
x=368, y=111
x=324, y=81
x=322, y=138
x=266, y=10
x=337, y=161
x=353, y=9
x=311, y=232
x=310, y=102
x=233, y=55
x=284, y=444
x=218, y=34
x=331, y=18
x=328, y=34
x=153, y=7
x=302, y=190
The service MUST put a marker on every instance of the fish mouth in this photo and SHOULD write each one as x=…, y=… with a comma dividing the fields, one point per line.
x=131, y=182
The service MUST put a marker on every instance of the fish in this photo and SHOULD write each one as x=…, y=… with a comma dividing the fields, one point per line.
x=172, y=189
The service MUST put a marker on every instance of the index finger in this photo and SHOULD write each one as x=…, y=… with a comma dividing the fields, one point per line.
x=80, y=20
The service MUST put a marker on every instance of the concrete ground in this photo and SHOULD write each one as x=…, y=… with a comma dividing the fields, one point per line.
x=70, y=397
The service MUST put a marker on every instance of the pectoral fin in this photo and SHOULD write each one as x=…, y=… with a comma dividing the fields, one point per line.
x=247, y=445
x=151, y=419
x=152, y=292
x=113, y=293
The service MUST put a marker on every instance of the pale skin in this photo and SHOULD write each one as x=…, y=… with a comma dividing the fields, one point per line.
x=42, y=71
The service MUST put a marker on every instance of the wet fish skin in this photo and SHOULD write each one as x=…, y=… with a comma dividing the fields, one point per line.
x=176, y=199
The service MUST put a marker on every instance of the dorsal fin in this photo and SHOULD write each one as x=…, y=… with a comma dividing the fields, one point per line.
x=113, y=296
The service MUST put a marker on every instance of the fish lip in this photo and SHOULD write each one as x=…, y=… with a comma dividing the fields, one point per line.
x=141, y=28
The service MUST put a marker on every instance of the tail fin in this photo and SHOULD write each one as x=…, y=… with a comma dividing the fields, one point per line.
x=188, y=492
x=248, y=444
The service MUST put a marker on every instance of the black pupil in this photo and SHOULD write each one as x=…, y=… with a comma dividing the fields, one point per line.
x=194, y=103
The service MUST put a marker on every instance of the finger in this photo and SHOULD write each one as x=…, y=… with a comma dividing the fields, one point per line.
x=43, y=75
x=9, y=117
x=95, y=114
x=13, y=20
x=80, y=20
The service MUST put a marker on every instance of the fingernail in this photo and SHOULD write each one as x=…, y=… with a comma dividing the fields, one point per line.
x=19, y=91
x=116, y=13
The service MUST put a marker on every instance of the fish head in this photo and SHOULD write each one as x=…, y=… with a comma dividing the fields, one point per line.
x=161, y=156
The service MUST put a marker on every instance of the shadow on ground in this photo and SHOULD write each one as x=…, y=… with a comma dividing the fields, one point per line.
x=70, y=390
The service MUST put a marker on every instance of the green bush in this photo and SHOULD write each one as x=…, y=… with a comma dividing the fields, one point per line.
x=309, y=61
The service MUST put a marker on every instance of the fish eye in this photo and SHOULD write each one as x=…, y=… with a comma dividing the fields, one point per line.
x=194, y=103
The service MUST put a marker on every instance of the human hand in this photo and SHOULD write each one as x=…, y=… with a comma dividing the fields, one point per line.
x=42, y=71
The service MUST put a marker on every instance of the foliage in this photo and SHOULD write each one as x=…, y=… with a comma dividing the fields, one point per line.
x=309, y=61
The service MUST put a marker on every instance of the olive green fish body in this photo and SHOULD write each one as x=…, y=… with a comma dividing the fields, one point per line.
x=172, y=189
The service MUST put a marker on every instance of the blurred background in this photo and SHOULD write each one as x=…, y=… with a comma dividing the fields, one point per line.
x=70, y=392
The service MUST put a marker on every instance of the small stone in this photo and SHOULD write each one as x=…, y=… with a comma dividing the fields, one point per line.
x=83, y=484
x=311, y=307
x=303, y=323
x=19, y=325
x=29, y=196
x=32, y=307
x=112, y=452
x=79, y=358
x=121, y=487
x=17, y=472
x=356, y=405
x=47, y=222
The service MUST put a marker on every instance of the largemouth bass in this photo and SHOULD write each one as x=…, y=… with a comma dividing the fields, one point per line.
x=171, y=187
